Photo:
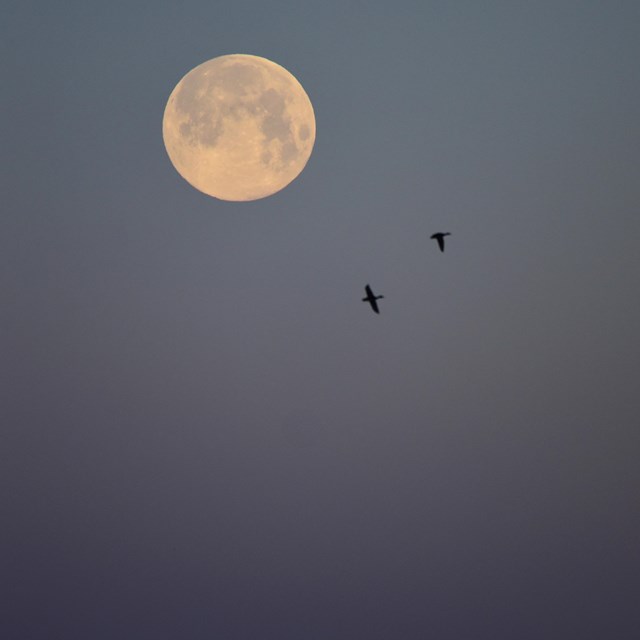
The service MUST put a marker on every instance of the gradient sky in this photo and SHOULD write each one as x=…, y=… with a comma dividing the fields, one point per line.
x=206, y=433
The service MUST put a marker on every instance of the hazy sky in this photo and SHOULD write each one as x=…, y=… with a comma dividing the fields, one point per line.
x=207, y=435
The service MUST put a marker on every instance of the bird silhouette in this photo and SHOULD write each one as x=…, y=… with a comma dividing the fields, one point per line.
x=371, y=299
x=440, y=238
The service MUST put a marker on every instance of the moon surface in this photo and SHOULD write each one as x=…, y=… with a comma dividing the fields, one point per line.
x=239, y=127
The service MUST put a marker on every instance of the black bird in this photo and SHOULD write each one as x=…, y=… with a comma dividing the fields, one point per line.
x=440, y=238
x=371, y=299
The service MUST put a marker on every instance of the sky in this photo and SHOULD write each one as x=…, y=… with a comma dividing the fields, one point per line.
x=207, y=434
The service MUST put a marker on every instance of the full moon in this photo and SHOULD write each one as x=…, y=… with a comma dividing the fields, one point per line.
x=239, y=127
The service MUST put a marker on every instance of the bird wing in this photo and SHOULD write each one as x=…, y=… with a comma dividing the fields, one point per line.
x=369, y=292
x=440, y=240
x=374, y=304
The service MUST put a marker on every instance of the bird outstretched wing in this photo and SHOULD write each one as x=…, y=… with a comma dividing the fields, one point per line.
x=371, y=299
x=440, y=238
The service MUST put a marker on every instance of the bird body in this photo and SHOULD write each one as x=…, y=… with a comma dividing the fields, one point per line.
x=440, y=238
x=372, y=299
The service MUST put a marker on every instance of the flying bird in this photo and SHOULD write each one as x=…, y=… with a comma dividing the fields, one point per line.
x=440, y=238
x=371, y=299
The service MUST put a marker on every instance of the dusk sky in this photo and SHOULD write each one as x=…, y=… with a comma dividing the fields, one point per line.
x=206, y=434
